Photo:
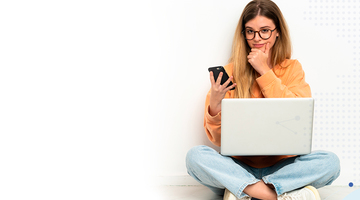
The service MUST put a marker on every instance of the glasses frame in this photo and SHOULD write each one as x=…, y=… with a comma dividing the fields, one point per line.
x=243, y=32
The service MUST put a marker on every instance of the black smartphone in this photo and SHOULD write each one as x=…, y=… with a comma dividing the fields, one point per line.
x=216, y=71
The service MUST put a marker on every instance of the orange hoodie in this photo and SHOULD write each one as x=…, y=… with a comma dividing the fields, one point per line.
x=286, y=80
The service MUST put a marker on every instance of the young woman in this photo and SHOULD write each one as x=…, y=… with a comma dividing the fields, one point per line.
x=260, y=67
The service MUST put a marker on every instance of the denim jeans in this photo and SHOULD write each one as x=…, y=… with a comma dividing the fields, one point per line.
x=218, y=172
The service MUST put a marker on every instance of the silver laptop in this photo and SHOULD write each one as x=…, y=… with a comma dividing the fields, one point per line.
x=266, y=126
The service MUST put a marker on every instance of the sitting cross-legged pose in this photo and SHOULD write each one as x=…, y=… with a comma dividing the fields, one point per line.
x=260, y=67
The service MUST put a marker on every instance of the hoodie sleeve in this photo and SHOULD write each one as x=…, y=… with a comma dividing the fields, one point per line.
x=288, y=83
x=212, y=124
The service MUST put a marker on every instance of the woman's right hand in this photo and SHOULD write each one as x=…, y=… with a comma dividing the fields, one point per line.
x=218, y=92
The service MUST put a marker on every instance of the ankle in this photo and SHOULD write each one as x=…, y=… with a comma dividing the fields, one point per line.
x=260, y=190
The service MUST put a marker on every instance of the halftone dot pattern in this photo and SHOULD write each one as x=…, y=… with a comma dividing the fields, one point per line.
x=337, y=113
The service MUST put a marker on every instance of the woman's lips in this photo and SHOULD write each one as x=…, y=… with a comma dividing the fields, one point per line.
x=258, y=45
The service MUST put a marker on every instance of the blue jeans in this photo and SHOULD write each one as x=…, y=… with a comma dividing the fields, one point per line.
x=218, y=172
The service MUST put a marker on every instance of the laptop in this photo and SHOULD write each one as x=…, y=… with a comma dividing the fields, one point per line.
x=266, y=126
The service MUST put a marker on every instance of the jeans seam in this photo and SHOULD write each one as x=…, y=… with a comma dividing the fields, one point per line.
x=241, y=189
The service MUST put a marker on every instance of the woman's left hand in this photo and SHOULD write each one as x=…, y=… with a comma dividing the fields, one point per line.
x=258, y=59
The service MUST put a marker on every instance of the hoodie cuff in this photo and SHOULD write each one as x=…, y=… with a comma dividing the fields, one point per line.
x=267, y=79
x=213, y=119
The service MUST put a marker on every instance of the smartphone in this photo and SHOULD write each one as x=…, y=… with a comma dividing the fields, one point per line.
x=216, y=71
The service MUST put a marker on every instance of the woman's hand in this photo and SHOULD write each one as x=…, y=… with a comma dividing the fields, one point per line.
x=258, y=59
x=218, y=92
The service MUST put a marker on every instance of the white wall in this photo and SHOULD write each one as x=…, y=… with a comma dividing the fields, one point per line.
x=95, y=94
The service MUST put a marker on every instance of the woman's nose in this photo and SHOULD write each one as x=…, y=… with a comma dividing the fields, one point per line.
x=257, y=36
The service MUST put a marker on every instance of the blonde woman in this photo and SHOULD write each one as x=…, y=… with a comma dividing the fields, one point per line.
x=260, y=67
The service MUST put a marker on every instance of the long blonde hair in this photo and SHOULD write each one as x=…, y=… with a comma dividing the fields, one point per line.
x=244, y=74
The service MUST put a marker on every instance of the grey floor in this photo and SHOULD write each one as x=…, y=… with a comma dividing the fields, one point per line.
x=203, y=193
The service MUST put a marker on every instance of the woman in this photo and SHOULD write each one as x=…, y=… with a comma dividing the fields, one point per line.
x=260, y=67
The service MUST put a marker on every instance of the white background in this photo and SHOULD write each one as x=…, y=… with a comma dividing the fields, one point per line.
x=100, y=98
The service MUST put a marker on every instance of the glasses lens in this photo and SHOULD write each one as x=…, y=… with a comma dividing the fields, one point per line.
x=265, y=33
x=249, y=34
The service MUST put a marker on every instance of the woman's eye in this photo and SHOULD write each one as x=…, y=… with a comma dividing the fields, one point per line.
x=265, y=30
x=250, y=31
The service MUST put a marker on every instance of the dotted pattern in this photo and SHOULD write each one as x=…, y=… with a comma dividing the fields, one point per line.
x=337, y=113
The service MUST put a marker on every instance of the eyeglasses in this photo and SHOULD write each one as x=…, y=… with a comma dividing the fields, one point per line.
x=263, y=33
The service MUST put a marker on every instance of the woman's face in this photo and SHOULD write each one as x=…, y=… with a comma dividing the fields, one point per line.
x=263, y=24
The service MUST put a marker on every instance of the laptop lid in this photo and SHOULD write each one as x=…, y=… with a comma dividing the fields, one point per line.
x=266, y=126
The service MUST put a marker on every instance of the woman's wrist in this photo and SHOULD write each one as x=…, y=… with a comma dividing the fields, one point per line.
x=214, y=109
x=264, y=70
